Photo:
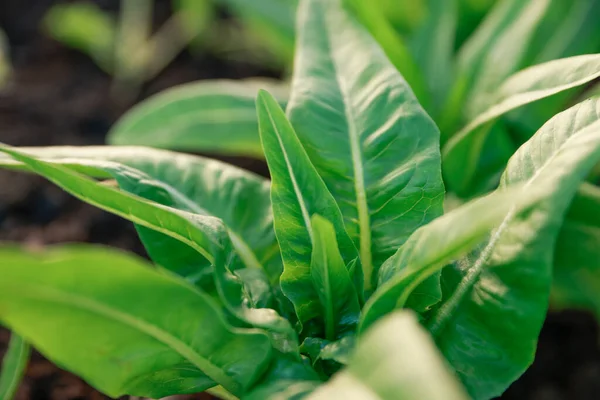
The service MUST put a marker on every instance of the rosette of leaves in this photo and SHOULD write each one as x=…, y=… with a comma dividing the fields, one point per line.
x=489, y=73
x=341, y=276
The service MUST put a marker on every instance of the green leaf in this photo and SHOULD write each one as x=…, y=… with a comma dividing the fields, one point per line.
x=497, y=297
x=491, y=54
x=462, y=153
x=193, y=244
x=332, y=281
x=297, y=192
x=357, y=119
x=207, y=116
x=396, y=359
x=13, y=366
x=85, y=27
x=109, y=318
x=577, y=254
x=189, y=183
x=452, y=236
x=181, y=225
x=433, y=49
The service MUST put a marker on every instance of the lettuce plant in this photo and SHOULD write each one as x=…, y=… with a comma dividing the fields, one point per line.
x=524, y=63
x=341, y=276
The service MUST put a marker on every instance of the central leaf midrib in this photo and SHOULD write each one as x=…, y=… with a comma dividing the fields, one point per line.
x=364, y=223
x=84, y=303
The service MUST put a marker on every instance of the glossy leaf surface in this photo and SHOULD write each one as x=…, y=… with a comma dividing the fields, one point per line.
x=190, y=183
x=364, y=131
x=208, y=116
x=489, y=321
x=452, y=236
x=297, y=193
x=113, y=322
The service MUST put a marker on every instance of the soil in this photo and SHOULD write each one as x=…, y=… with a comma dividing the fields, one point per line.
x=60, y=97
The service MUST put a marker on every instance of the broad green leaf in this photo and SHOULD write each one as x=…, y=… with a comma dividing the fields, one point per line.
x=395, y=47
x=197, y=231
x=577, y=254
x=297, y=192
x=206, y=116
x=452, y=236
x=462, y=153
x=339, y=301
x=396, y=359
x=13, y=366
x=85, y=27
x=124, y=327
x=193, y=244
x=491, y=54
x=433, y=49
x=497, y=297
x=190, y=183
x=365, y=133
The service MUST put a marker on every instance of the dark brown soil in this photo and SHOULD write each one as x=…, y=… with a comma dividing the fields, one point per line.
x=59, y=97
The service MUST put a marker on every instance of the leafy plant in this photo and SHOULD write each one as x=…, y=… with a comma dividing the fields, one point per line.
x=341, y=275
x=488, y=87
